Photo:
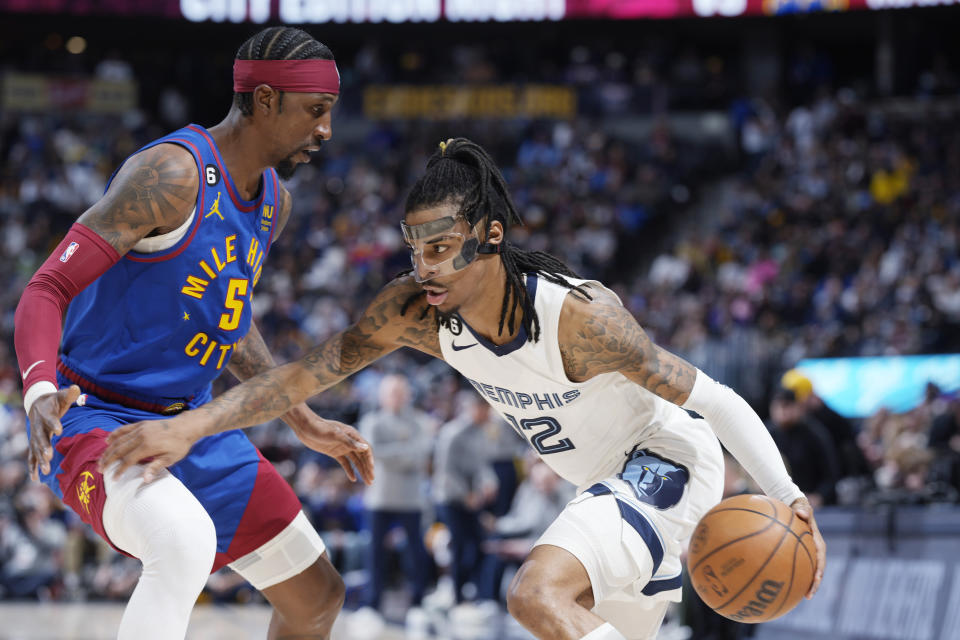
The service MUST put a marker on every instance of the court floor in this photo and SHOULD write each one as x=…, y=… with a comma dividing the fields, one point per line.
x=99, y=621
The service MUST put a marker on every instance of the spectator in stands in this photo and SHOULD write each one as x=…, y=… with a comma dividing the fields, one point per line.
x=401, y=440
x=852, y=462
x=539, y=500
x=806, y=447
x=944, y=443
x=335, y=509
x=464, y=483
x=30, y=546
x=506, y=449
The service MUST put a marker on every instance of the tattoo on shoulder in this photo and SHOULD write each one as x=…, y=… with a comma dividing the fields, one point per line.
x=153, y=192
x=607, y=338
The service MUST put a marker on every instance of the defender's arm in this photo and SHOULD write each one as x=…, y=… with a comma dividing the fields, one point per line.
x=381, y=330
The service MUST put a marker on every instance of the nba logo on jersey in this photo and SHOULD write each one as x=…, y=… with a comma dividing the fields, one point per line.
x=69, y=251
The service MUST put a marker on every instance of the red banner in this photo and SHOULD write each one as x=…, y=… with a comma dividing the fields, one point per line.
x=339, y=11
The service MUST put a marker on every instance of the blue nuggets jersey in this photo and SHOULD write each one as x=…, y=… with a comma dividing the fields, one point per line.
x=157, y=328
x=150, y=335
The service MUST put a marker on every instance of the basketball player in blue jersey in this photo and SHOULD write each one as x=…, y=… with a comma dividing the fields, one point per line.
x=570, y=369
x=159, y=278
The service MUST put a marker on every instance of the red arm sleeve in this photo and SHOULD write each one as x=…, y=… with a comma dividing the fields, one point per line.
x=81, y=258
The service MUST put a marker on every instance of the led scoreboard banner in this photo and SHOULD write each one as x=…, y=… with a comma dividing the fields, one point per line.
x=161, y=8
x=319, y=11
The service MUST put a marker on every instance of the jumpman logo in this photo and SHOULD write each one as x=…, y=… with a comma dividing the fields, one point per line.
x=215, y=208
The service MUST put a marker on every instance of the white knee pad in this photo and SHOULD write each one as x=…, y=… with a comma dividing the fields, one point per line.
x=287, y=554
x=167, y=528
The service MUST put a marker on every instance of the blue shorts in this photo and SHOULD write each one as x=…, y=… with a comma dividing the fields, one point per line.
x=241, y=491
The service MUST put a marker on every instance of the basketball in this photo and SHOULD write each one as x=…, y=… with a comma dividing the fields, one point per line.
x=751, y=559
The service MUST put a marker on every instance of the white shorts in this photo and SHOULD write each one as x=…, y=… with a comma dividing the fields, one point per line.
x=630, y=547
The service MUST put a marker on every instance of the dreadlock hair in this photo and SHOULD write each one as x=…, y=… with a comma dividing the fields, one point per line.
x=278, y=43
x=462, y=173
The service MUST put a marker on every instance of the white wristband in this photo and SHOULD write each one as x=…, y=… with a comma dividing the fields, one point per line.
x=744, y=435
x=37, y=389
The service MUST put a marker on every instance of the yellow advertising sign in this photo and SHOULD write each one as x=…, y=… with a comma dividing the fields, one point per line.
x=450, y=102
x=38, y=92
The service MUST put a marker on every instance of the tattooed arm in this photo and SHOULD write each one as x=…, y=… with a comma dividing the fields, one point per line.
x=600, y=336
x=152, y=194
x=338, y=440
x=381, y=330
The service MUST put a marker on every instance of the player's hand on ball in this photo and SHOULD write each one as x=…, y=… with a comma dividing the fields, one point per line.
x=340, y=441
x=45, y=417
x=801, y=506
x=160, y=442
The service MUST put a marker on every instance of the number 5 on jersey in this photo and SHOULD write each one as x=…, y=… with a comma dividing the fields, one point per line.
x=236, y=289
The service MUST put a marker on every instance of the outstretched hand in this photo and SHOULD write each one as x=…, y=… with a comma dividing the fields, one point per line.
x=161, y=443
x=157, y=443
x=801, y=506
x=340, y=441
x=45, y=417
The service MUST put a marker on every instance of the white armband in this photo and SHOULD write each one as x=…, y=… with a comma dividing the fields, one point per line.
x=37, y=389
x=744, y=435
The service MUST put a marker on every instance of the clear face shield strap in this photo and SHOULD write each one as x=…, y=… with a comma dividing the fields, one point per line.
x=437, y=249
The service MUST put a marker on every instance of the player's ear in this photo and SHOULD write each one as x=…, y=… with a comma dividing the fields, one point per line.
x=264, y=98
x=495, y=232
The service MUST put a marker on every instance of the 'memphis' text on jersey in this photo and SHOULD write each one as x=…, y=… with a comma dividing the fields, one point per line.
x=523, y=401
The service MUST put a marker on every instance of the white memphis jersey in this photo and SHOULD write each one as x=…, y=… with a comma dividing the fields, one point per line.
x=583, y=430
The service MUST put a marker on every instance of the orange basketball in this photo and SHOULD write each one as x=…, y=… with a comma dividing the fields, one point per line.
x=751, y=558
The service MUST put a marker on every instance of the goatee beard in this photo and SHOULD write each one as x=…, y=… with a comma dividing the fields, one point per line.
x=286, y=169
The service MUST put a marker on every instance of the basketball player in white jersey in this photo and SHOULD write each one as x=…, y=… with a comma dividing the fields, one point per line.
x=566, y=364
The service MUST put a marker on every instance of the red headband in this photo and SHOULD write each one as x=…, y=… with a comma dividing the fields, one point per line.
x=298, y=76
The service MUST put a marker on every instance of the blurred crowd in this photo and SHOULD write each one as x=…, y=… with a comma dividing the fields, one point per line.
x=839, y=238
x=833, y=230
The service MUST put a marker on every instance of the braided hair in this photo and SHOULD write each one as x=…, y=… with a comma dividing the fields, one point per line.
x=462, y=173
x=278, y=43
